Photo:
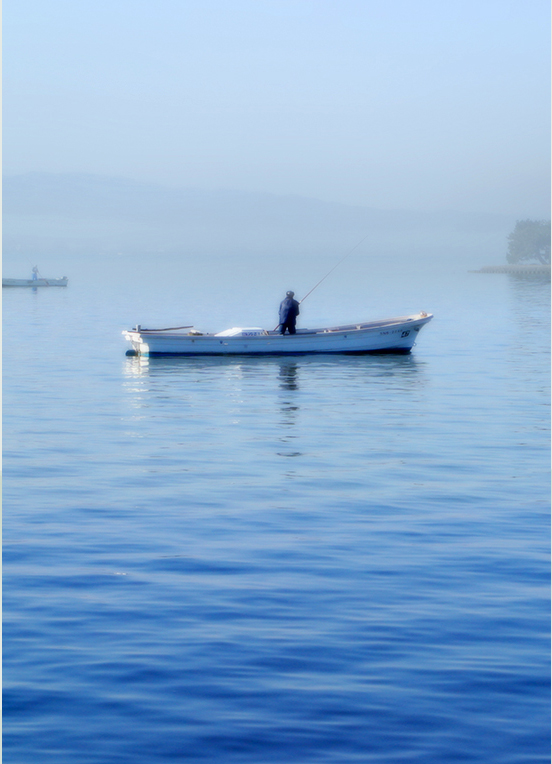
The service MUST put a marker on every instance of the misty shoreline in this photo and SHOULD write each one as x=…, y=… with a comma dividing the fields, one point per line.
x=47, y=214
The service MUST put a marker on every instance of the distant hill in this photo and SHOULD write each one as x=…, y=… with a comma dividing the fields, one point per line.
x=96, y=215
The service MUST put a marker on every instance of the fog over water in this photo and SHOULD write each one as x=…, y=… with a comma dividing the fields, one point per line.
x=281, y=124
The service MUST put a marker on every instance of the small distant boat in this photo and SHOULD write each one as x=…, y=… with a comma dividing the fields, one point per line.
x=393, y=335
x=35, y=282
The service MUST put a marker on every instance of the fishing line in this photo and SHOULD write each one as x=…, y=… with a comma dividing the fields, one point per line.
x=335, y=266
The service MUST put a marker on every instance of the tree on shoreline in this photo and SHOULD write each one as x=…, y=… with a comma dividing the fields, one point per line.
x=530, y=240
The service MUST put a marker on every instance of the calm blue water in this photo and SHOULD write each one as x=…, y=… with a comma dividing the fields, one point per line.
x=327, y=560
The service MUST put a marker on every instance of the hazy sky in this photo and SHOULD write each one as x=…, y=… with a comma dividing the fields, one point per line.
x=419, y=104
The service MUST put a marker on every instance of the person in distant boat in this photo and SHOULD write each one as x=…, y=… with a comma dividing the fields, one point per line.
x=289, y=310
x=35, y=273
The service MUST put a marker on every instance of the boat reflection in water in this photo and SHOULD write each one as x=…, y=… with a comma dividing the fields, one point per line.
x=289, y=408
x=270, y=408
x=288, y=376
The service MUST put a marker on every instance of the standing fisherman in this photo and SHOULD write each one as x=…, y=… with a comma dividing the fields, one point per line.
x=35, y=273
x=289, y=310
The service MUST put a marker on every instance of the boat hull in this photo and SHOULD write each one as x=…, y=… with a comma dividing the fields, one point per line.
x=396, y=335
x=35, y=282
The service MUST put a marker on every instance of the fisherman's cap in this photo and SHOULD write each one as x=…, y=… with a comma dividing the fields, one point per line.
x=290, y=294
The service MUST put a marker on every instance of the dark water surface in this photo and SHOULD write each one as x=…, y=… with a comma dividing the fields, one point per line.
x=277, y=560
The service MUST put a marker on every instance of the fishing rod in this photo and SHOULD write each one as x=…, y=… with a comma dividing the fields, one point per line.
x=334, y=267
x=39, y=276
x=332, y=270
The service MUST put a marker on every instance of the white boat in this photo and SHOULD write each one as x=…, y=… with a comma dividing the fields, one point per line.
x=35, y=282
x=393, y=335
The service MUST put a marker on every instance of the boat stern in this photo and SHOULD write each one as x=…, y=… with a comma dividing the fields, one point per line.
x=138, y=346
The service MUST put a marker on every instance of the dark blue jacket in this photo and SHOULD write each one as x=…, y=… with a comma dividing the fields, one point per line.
x=289, y=308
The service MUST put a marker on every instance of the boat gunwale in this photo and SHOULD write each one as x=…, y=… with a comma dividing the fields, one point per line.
x=345, y=328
